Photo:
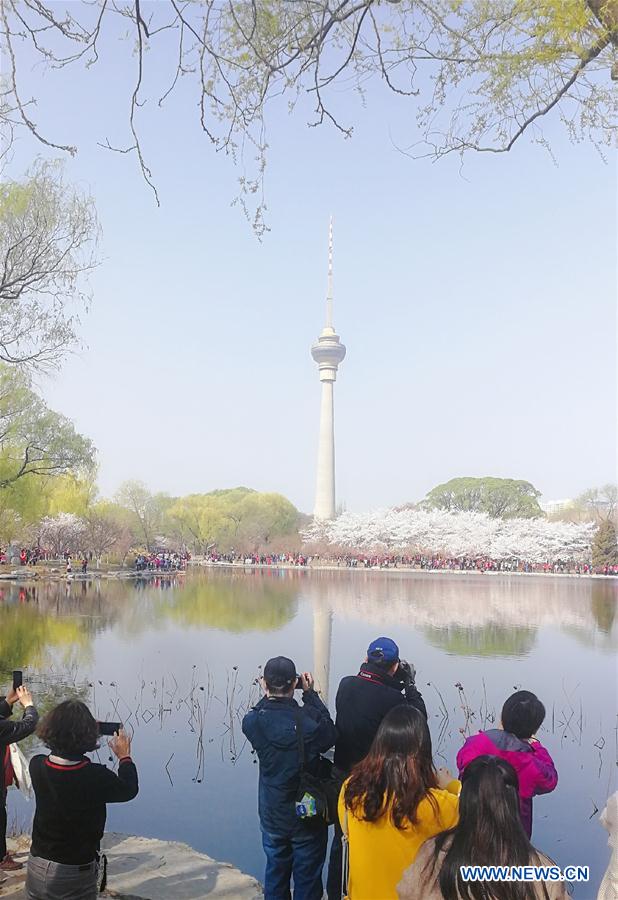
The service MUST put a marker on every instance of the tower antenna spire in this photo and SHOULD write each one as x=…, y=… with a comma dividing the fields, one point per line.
x=329, y=292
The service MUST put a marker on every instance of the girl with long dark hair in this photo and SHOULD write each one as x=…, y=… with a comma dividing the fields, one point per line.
x=489, y=833
x=392, y=802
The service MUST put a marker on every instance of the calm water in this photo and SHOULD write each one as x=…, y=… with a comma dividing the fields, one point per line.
x=177, y=661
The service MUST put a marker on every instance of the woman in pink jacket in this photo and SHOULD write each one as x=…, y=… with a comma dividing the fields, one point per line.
x=522, y=716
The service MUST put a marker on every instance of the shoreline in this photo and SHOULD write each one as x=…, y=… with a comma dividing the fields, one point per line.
x=27, y=574
x=408, y=570
x=40, y=574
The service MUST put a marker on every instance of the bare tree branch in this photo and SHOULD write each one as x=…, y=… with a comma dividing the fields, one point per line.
x=492, y=71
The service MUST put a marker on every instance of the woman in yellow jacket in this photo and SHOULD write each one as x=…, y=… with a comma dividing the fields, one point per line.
x=392, y=802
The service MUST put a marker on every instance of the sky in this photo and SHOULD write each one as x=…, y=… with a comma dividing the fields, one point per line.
x=478, y=306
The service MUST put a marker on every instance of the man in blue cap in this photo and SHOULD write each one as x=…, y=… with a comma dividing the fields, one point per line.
x=384, y=681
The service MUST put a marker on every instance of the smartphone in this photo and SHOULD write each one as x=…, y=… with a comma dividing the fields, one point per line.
x=18, y=678
x=109, y=728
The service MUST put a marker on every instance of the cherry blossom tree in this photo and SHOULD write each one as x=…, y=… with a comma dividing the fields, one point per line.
x=62, y=533
x=454, y=534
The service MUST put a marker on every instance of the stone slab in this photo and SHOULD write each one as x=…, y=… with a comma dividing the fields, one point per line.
x=148, y=869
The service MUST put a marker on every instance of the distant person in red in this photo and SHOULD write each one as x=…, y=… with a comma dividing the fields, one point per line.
x=23, y=557
x=516, y=742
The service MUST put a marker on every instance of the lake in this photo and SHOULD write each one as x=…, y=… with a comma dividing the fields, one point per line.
x=177, y=659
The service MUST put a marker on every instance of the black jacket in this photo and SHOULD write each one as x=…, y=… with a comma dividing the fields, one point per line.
x=69, y=819
x=271, y=729
x=11, y=732
x=362, y=702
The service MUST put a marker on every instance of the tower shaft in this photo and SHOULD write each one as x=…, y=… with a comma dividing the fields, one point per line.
x=325, y=481
x=322, y=637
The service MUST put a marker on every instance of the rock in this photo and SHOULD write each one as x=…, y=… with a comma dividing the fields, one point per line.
x=148, y=869
x=161, y=870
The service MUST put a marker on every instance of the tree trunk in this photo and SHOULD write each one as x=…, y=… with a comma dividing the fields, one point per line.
x=606, y=12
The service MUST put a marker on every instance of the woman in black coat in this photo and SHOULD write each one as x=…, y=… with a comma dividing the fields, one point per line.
x=10, y=733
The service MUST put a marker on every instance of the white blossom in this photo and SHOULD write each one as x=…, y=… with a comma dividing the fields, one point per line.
x=62, y=533
x=454, y=535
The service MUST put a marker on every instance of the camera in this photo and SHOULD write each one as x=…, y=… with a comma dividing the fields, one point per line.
x=18, y=678
x=406, y=673
x=109, y=728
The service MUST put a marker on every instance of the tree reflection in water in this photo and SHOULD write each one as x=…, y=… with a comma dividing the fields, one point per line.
x=237, y=603
x=603, y=605
x=488, y=640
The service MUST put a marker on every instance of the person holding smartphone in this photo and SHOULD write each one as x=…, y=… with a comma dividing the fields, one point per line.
x=294, y=846
x=10, y=733
x=72, y=794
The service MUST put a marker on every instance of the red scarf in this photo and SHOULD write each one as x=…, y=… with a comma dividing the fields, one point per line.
x=7, y=769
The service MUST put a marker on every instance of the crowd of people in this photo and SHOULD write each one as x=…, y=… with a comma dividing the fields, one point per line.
x=32, y=556
x=171, y=561
x=468, y=564
x=402, y=828
x=258, y=559
x=35, y=555
x=162, y=561
x=159, y=561
x=28, y=556
x=421, y=562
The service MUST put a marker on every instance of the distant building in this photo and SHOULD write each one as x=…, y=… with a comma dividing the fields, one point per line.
x=551, y=507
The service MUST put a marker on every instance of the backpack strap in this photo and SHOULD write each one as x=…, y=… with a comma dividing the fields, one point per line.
x=298, y=720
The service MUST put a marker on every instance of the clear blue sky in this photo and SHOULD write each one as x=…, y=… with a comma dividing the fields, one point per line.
x=478, y=310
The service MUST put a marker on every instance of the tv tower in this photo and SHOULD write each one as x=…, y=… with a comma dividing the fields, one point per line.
x=328, y=352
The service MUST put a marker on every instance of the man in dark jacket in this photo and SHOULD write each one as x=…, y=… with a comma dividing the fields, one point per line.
x=10, y=733
x=294, y=846
x=362, y=701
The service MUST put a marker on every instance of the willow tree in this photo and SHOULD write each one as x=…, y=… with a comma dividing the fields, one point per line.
x=238, y=518
x=479, y=74
x=148, y=511
x=35, y=441
x=48, y=237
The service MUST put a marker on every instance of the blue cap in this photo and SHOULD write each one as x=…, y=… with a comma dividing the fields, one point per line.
x=383, y=648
